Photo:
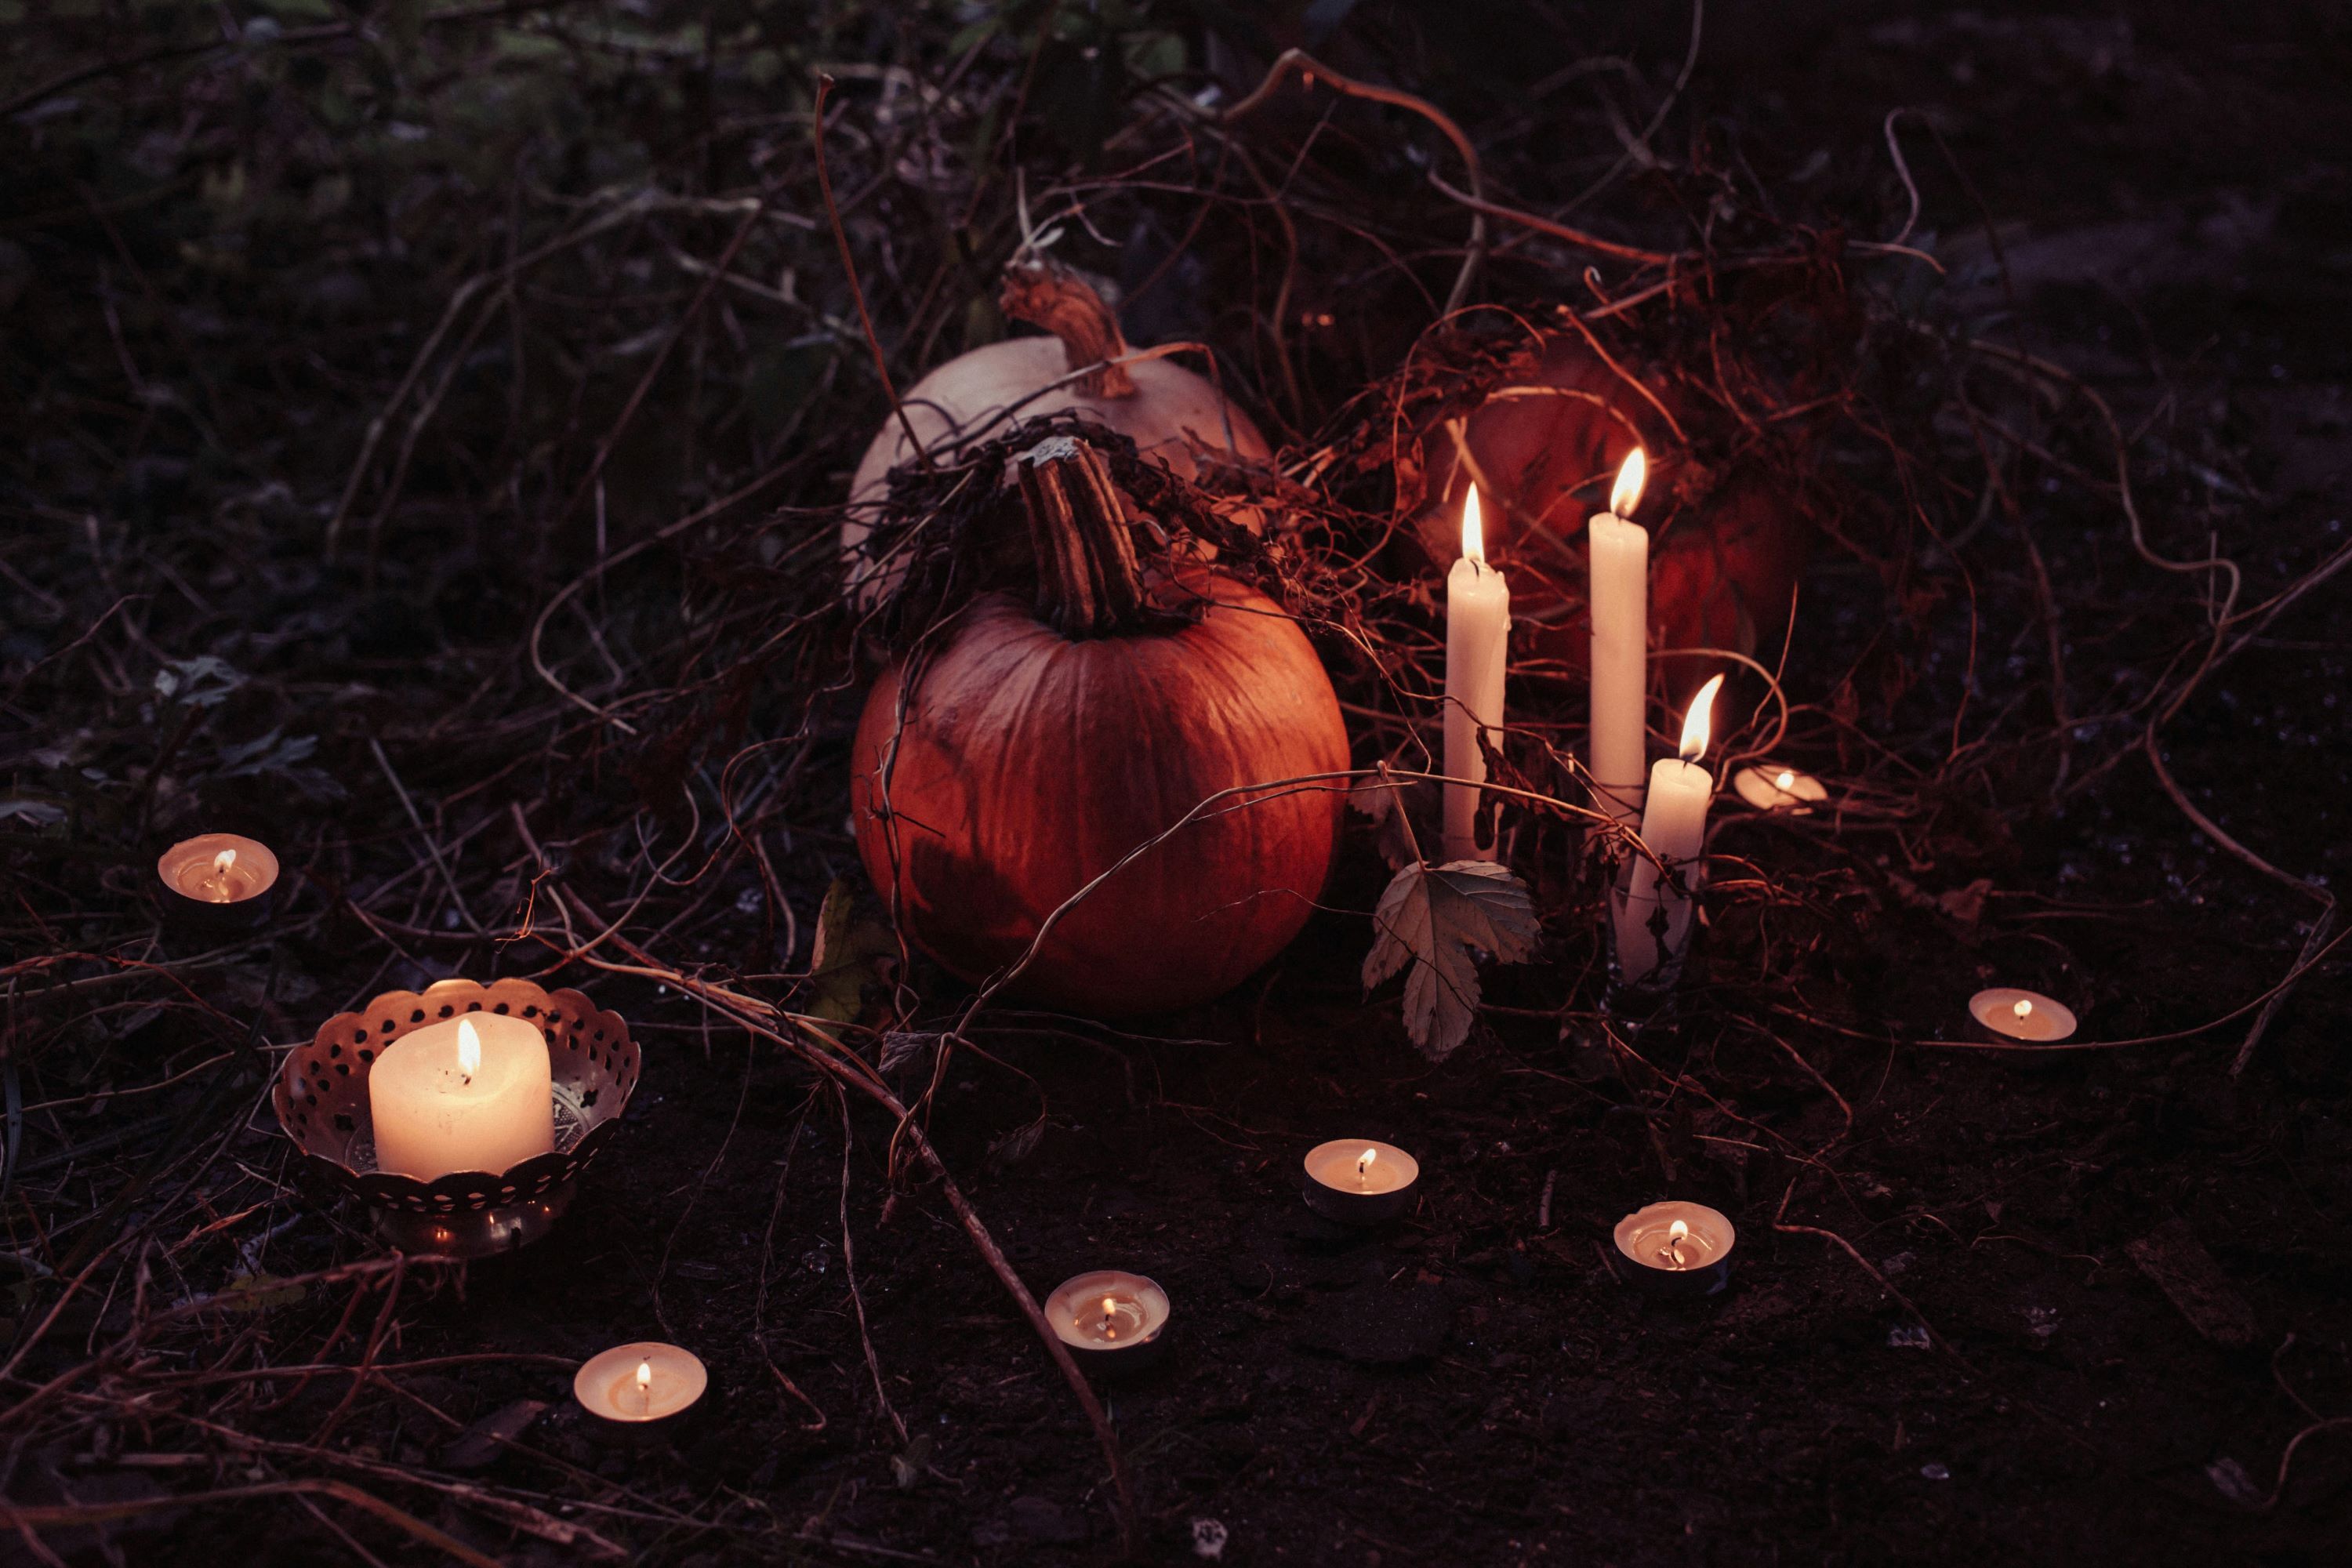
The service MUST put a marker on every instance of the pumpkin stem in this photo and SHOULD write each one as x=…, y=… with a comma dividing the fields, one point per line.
x=1088, y=583
x=1047, y=294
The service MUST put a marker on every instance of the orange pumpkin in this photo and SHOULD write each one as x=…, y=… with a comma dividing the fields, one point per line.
x=1042, y=745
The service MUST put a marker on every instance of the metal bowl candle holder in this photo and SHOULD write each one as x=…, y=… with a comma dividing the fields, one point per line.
x=323, y=1102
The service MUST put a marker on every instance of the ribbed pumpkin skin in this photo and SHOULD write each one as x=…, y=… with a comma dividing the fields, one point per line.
x=1029, y=763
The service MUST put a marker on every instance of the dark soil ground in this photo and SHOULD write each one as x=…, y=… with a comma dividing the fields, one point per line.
x=2168, y=187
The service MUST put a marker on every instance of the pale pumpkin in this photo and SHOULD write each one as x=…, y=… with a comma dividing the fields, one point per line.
x=1174, y=416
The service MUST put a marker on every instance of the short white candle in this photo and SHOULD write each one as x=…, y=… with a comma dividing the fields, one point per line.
x=1109, y=1313
x=1673, y=825
x=1477, y=638
x=2028, y=1015
x=1618, y=554
x=636, y=1384
x=219, y=868
x=1769, y=788
x=1675, y=1247
x=472, y=1094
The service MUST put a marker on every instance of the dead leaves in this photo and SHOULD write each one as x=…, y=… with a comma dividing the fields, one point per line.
x=842, y=962
x=1437, y=919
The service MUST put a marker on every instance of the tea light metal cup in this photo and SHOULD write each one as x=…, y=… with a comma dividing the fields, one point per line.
x=1675, y=1249
x=1360, y=1182
x=217, y=882
x=639, y=1392
x=1114, y=1322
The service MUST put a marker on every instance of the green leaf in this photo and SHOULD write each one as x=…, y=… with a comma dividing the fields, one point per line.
x=1436, y=921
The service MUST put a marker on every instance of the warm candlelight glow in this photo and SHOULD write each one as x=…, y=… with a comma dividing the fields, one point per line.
x=1626, y=494
x=620, y=1386
x=1364, y=1161
x=2023, y=1009
x=223, y=861
x=469, y=1058
x=1785, y=780
x=1675, y=1235
x=1695, y=722
x=1473, y=531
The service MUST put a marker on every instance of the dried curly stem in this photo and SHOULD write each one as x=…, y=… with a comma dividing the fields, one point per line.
x=1047, y=294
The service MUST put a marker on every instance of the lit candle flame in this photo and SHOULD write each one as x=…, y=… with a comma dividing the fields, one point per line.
x=2024, y=1009
x=470, y=1058
x=1695, y=722
x=1110, y=1317
x=1364, y=1161
x=1676, y=1234
x=1626, y=494
x=1473, y=530
x=223, y=861
x=645, y=1375
x=1784, y=781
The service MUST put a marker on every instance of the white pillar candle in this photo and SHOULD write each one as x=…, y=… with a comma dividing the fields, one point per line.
x=1618, y=554
x=1477, y=635
x=473, y=1094
x=1673, y=825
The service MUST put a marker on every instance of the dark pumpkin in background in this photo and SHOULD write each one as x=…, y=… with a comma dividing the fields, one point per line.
x=1728, y=536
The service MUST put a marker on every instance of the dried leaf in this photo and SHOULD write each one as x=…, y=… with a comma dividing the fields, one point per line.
x=2173, y=1258
x=480, y=1445
x=258, y=1293
x=1016, y=1145
x=842, y=961
x=905, y=1047
x=1436, y=921
x=1383, y=802
x=907, y=1469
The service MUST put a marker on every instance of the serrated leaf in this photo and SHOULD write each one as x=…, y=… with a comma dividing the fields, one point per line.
x=1436, y=919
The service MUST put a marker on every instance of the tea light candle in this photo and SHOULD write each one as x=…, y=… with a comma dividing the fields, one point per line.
x=1617, y=555
x=1769, y=788
x=471, y=1094
x=2008, y=1014
x=1675, y=1249
x=1355, y=1181
x=641, y=1387
x=1110, y=1320
x=1673, y=824
x=217, y=877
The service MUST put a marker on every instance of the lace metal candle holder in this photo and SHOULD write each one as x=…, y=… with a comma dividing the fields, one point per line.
x=321, y=1099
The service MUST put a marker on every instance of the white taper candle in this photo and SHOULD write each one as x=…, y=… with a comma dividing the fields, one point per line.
x=1673, y=824
x=1477, y=637
x=1618, y=553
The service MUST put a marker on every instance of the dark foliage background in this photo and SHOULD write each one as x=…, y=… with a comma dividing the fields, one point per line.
x=425, y=427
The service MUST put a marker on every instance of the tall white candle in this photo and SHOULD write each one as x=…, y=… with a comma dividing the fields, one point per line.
x=1673, y=824
x=473, y=1094
x=1619, y=596
x=1477, y=635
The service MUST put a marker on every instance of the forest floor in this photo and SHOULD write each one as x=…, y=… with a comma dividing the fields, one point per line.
x=1980, y=1360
